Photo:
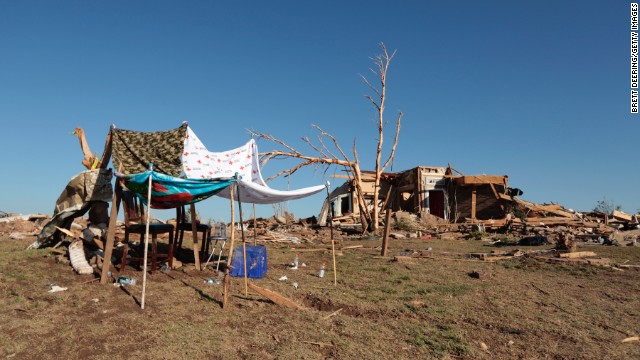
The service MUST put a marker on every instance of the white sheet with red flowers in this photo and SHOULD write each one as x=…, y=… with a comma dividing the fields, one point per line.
x=200, y=163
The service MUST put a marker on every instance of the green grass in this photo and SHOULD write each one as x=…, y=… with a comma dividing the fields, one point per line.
x=444, y=290
x=441, y=341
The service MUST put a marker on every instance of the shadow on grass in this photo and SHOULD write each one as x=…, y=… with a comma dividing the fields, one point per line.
x=126, y=291
x=198, y=290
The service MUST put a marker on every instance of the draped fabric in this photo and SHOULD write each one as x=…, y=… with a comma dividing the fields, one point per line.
x=200, y=163
x=134, y=150
x=168, y=192
x=82, y=191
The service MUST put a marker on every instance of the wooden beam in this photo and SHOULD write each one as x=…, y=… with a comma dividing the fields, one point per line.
x=385, y=234
x=621, y=216
x=495, y=192
x=111, y=233
x=275, y=297
x=194, y=234
x=227, y=276
x=86, y=151
x=473, y=203
x=479, y=179
x=106, y=153
x=579, y=254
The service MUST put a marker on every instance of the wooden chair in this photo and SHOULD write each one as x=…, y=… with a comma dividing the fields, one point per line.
x=182, y=225
x=134, y=221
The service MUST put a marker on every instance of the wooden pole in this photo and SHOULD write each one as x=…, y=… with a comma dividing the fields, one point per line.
x=385, y=234
x=146, y=238
x=244, y=246
x=255, y=226
x=225, y=291
x=194, y=234
x=111, y=233
x=388, y=206
x=473, y=203
x=333, y=246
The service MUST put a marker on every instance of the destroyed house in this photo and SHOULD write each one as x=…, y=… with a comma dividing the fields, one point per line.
x=478, y=197
x=424, y=190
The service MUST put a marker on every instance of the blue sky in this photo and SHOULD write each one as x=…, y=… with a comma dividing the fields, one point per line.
x=535, y=90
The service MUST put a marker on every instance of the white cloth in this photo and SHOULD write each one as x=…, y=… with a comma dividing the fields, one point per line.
x=198, y=162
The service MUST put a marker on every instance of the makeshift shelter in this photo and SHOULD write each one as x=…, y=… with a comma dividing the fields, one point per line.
x=178, y=151
x=162, y=191
x=134, y=153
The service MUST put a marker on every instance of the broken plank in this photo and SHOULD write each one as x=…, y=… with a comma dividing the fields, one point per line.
x=619, y=215
x=317, y=343
x=351, y=247
x=598, y=262
x=480, y=179
x=579, y=254
x=275, y=297
x=498, y=258
x=403, y=259
x=332, y=314
x=309, y=250
x=630, y=339
x=67, y=232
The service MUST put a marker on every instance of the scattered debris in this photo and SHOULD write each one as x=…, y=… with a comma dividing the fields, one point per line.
x=78, y=260
x=56, y=288
x=480, y=274
x=403, y=259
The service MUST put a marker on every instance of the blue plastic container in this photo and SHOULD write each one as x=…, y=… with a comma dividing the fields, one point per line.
x=256, y=262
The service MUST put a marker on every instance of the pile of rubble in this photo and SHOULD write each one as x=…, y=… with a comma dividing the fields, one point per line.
x=555, y=221
x=19, y=226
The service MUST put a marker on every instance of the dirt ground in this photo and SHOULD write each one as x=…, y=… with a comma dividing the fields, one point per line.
x=425, y=308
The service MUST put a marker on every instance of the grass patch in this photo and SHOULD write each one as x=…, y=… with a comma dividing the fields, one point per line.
x=452, y=289
x=445, y=290
x=441, y=341
x=511, y=264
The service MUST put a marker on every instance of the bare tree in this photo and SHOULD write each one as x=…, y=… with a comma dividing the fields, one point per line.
x=381, y=62
x=327, y=157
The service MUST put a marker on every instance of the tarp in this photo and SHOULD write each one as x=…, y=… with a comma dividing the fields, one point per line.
x=200, y=163
x=168, y=192
x=135, y=150
x=76, y=199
